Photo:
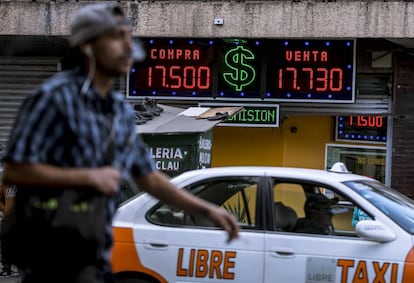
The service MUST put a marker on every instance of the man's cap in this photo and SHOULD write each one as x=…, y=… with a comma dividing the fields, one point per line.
x=319, y=201
x=93, y=20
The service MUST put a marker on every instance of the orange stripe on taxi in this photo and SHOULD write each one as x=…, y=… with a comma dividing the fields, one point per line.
x=408, y=273
x=125, y=257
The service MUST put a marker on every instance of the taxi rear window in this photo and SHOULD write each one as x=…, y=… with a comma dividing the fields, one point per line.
x=235, y=194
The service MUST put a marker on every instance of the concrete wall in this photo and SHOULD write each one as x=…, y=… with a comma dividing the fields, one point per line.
x=370, y=19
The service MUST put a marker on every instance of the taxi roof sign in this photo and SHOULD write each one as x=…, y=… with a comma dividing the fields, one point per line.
x=339, y=167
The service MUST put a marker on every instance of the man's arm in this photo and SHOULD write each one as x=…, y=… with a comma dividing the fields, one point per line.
x=104, y=179
x=158, y=185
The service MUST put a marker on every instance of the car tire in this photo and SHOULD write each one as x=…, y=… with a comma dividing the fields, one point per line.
x=133, y=280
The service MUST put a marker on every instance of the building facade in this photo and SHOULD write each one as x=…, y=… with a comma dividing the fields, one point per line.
x=33, y=46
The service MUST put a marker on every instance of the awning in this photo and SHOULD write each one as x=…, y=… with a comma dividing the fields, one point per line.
x=175, y=120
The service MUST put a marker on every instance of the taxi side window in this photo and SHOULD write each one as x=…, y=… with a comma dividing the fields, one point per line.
x=346, y=214
x=293, y=208
x=243, y=205
x=237, y=195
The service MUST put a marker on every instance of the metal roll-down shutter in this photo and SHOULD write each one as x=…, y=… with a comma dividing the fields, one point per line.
x=18, y=77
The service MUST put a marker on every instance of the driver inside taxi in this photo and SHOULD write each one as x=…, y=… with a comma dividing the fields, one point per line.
x=318, y=216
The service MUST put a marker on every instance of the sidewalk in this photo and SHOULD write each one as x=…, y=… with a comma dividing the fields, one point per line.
x=14, y=278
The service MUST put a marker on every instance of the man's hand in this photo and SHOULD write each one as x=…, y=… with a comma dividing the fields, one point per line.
x=105, y=179
x=220, y=217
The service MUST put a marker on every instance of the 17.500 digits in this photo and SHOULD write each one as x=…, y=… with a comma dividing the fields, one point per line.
x=176, y=77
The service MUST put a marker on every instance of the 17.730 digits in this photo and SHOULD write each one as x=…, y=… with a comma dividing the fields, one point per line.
x=310, y=79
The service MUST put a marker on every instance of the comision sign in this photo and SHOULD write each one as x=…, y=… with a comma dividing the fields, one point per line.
x=252, y=115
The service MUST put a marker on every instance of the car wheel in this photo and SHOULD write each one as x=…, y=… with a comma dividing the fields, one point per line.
x=132, y=279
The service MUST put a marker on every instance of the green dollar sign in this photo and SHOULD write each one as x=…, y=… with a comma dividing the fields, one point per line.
x=242, y=74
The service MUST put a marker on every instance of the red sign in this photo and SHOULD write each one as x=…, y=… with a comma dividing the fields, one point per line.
x=174, y=68
x=362, y=128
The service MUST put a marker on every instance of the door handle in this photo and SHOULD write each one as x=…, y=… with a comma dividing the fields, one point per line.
x=282, y=252
x=156, y=244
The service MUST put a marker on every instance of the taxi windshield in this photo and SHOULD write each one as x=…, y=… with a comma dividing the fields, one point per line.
x=394, y=204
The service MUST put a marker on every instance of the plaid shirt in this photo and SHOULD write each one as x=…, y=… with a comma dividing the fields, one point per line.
x=59, y=126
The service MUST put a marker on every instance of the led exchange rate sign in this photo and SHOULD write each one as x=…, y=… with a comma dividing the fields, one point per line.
x=294, y=70
x=239, y=69
x=174, y=68
x=362, y=128
x=310, y=70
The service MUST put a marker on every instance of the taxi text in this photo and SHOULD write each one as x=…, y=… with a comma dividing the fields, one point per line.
x=359, y=273
x=205, y=263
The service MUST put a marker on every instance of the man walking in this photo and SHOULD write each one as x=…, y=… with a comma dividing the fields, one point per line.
x=76, y=133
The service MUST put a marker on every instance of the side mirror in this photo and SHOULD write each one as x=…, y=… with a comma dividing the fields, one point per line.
x=374, y=231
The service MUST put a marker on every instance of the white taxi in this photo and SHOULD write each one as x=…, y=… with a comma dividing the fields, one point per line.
x=157, y=243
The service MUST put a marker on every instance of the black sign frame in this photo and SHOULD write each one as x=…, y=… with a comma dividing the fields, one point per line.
x=316, y=62
x=361, y=128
